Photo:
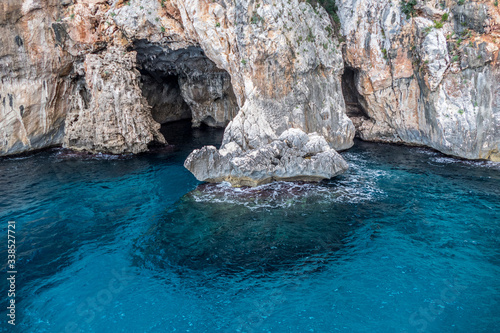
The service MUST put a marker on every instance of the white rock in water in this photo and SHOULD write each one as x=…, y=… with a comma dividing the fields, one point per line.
x=295, y=155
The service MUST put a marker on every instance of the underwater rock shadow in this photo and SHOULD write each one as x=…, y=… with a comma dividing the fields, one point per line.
x=248, y=231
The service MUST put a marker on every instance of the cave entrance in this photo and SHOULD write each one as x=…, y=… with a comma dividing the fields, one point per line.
x=182, y=136
x=353, y=99
x=184, y=85
x=163, y=94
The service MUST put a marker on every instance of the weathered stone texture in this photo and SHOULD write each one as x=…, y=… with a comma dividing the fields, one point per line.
x=295, y=155
x=110, y=114
x=259, y=67
x=424, y=84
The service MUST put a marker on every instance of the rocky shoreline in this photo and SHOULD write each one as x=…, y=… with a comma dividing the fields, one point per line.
x=100, y=76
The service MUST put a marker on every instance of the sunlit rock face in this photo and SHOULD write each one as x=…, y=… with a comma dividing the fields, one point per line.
x=418, y=82
x=259, y=68
x=110, y=114
x=295, y=155
x=285, y=66
x=34, y=77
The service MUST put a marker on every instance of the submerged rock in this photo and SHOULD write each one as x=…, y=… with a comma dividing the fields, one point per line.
x=235, y=231
x=295, y=155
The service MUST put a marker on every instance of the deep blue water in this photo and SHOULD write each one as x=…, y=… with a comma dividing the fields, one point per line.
x=408, y=240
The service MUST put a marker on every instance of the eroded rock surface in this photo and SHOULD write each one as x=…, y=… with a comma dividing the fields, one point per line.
x=266, y=65
x=427, y=78
x=185, y=84
x=109, y=114
x=34, y=77
x=286, y=73
x=295, y=155
x=261, y=67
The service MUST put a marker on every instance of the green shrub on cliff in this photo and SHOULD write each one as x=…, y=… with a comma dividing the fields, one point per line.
x=408, y=8
x=330, y=6
x=256, y=18
x=384, y=52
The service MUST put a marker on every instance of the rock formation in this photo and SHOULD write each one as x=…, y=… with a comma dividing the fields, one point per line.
x=425, y=73
x=100, y=75
x=111, y=96
x=278, y=63
x=191, y=85
x=295, y=155
x=283, y=60
x=285, y=65
x=34, y=77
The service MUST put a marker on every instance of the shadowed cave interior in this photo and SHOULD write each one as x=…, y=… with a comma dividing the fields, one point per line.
x=353, y=99
x=185, y=84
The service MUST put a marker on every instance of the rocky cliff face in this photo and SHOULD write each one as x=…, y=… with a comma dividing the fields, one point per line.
x=270, y=65
x=100, y=75
x=34, y=77
x=110, y=95
x=426, y=76
x=190, y=85
x=285, y=66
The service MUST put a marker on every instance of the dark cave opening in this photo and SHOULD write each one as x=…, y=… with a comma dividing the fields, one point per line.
x=184, y=84
x=181, y=135
x=163, y=94
x=353, y=99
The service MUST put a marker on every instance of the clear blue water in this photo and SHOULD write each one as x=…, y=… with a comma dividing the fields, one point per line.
x=408, y=240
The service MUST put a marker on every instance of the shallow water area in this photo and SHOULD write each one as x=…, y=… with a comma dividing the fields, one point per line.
x=406, y=241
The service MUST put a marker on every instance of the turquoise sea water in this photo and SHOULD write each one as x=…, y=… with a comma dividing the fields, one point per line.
x=408, y=240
